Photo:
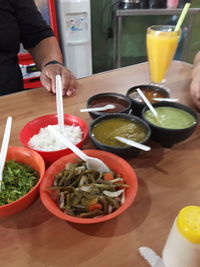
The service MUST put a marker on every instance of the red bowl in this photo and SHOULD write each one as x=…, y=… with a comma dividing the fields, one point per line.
x=33, y=159
x=34, y=126
x=114, y=162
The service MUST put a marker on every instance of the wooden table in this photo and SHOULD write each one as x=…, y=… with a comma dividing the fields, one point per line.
x=169, y=179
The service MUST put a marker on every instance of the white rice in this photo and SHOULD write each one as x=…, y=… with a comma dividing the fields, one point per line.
x=46, y=141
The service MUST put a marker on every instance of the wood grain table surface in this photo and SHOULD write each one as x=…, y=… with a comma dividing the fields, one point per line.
x=169, y=179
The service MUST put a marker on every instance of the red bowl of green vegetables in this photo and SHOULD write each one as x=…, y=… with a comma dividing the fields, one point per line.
x=73, y=193
x=22, y=174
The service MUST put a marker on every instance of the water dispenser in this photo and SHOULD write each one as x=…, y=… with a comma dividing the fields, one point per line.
x=75, y=35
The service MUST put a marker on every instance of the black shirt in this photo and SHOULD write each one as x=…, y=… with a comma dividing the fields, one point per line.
x=20, y=22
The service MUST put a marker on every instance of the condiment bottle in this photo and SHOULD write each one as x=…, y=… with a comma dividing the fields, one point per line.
x=182, y=248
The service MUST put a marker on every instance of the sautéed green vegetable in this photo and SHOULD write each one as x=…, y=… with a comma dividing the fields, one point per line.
x=87, y=193
x=18, y=179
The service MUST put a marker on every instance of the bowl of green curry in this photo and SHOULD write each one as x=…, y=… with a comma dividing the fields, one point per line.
x=175, y=122
x=104, y=129
x=22, y=174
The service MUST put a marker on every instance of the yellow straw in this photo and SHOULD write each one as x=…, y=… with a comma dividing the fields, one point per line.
x=182, y=16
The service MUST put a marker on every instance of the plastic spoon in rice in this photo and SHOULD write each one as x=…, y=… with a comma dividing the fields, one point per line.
x=91, y=163
x=59, y=103
x=149, y=105
x=106, y=107
x=132, y=143
x=4, y=147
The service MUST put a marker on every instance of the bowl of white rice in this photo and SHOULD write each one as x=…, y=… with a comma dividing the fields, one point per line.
x=37, y=136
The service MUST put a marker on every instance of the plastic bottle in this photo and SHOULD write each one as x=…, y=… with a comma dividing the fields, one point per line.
x=182, y=248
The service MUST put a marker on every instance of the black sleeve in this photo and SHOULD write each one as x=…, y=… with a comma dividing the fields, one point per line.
x=33, y=27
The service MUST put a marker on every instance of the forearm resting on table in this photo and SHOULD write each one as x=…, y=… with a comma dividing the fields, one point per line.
x=197, y=59
x=195, y=84
x=45, y=51
x=196, y=73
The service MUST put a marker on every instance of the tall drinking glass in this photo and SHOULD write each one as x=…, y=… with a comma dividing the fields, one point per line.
x=161, y=42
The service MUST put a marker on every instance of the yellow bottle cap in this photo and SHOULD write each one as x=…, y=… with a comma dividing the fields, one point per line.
x=188, y=223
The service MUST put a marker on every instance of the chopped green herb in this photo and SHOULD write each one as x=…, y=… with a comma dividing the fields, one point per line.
x=18, y=179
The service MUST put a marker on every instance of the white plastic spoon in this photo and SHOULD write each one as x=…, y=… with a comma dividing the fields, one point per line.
x=132, y=143
x=149, y=105
x=147, y=102
x=106, y=107
x=59, y=103
x=4, y=147
x=151, y=257
x=91, y=163
x=165, y=99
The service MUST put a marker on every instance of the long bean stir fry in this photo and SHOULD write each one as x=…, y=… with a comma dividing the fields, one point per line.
x=87, y=193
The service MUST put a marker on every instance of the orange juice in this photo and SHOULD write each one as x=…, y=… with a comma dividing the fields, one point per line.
x=161, y=42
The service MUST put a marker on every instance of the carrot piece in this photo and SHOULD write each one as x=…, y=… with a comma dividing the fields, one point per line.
x=96, y=206
x=93, y=202
x=108, y=176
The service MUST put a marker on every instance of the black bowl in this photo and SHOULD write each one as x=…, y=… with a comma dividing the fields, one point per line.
x=123, y=103
x=168, y=137
x=137, y=106
x=124, y=151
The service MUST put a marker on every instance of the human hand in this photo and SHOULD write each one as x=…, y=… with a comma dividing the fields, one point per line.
x=195, y=86
x=48, y=79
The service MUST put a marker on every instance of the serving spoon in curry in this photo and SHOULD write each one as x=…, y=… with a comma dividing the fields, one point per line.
x=106, y=107
x=132, y=143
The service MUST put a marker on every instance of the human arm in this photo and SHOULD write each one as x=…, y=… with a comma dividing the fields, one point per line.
x=195, y=84
x=48, y=50
x=38, y=38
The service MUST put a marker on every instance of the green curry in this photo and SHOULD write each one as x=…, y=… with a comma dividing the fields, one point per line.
x=171, y=118
x=105, y=131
